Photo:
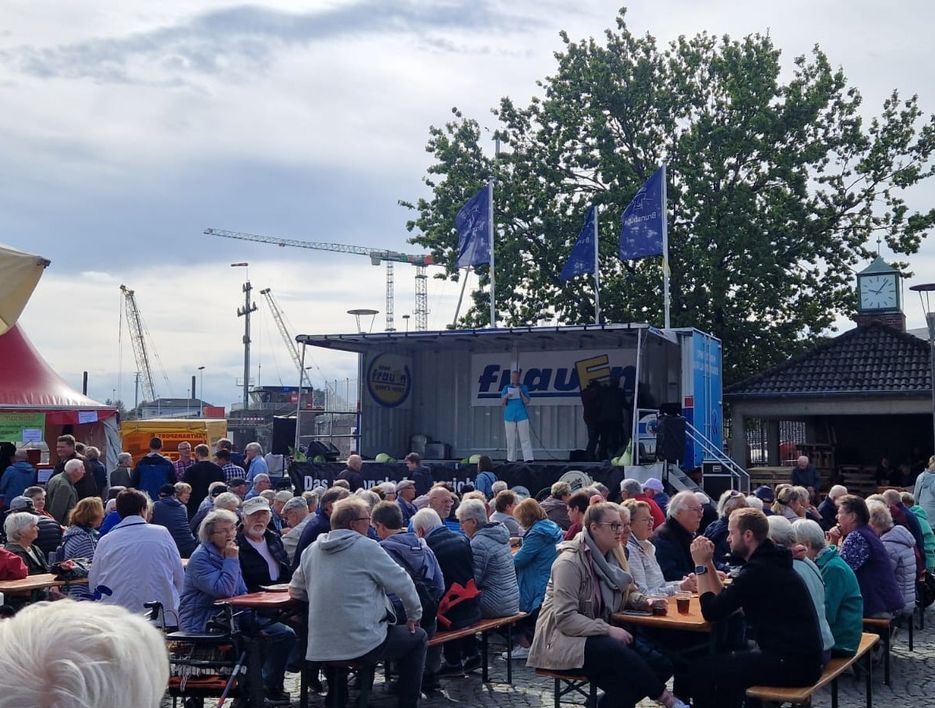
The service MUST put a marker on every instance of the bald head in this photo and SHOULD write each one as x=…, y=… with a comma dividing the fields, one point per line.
x=355, y=462
x=441, y=501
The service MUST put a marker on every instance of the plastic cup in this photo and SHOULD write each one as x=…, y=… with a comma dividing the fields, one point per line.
x=683, y=602
x=659, y=605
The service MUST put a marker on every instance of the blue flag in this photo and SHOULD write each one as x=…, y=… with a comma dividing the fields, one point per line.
x=581, y=259
x=473, y=225
x=642, y=223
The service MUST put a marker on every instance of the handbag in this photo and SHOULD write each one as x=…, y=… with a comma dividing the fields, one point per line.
x=71, y=570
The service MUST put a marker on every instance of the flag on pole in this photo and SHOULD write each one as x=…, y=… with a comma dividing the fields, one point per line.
x=582, y=258
x=474, y=229
x=642, y=226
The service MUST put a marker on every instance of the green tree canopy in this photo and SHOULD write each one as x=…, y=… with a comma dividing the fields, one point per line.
x=776, y=190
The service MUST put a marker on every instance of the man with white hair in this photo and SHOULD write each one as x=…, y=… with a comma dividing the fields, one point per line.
x=460, y=605
x=260, y=484
x=498, y=487
x=120, y=476
x=494, y=572
x=138, y=561
x=254, y=461
x=829, y=508
x=673, y=539
x=805, y=475
x=352, y=473
x=114, y=658
x=296, y=515
x=61, y=493
x=405, y=493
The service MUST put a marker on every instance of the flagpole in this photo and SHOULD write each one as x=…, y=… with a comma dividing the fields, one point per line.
x=665, y=250
x=490, y=233
x=597, y=271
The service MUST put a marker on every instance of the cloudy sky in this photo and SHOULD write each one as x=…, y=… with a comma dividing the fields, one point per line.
x=127, y=128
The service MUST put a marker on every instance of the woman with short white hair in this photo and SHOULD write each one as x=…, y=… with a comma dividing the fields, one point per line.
x=494, y=572
x=22, y=529
x=900, y=546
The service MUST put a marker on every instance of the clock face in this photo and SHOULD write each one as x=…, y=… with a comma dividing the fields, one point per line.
x=878, y=292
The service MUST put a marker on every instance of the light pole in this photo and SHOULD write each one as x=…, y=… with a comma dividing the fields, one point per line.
x=406, y=317
x=201, y=388
x=925, y=297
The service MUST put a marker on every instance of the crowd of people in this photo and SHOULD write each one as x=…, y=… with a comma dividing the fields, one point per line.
x=382, y=569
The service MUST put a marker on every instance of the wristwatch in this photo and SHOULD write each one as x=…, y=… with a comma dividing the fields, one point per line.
x=701, y=569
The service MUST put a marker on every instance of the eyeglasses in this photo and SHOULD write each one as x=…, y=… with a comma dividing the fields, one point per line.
x=614, y=526
x=696, y=509
x=363, y=518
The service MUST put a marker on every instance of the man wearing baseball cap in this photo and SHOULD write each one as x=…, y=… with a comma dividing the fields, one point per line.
x=405, y=493
x=652, y=487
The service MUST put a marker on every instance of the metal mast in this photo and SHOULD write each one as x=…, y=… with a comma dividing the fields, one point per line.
x=244, y=312
x=138, y=339
x=376, y=255
x=287, y=337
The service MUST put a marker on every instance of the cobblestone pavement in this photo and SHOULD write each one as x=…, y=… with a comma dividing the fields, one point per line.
x=912, y=682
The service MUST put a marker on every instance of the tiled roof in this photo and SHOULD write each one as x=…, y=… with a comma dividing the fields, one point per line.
x=874, y=360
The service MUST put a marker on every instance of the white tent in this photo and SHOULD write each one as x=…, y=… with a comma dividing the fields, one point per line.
x=19, y=274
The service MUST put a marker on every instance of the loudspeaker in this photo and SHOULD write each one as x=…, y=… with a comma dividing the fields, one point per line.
x=578, y=456
x=283, y=435
x=670, y=409
x=670, y=438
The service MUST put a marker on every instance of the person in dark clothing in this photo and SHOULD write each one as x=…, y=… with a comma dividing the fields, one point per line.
x=776, y=605
x=828, y=509
x=65, y=448
x=352, y=472
x=805, y=475
x=673, y=539
x=320, y=524
x=419, y=473
x=200, y=476
x=460, y=604
x=611, y=419
x=591, y=403
x=153, y=470
x=96, y=470
x=170, y=513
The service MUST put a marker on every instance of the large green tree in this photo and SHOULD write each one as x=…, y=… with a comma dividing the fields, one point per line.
x=777, y=189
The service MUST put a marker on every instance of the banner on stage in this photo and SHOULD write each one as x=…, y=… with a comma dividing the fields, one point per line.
x=553, y=377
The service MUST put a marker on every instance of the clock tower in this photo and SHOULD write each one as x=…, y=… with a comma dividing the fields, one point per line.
x=879, y=296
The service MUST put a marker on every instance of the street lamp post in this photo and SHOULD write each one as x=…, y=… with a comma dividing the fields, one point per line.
x=201, y=389
x=925, y=297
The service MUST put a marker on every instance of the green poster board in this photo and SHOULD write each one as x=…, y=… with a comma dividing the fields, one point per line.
x=22, y=427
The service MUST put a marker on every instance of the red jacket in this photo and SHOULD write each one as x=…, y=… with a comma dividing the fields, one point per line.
x=658, y=517
x=11, y=566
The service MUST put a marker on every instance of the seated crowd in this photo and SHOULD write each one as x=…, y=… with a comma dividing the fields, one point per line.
x=384, y=569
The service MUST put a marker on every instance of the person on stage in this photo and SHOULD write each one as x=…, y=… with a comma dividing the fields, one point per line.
x=515, y=401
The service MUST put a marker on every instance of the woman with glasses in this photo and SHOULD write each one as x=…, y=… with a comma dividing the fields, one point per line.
x=574, y=633
x=647, y=575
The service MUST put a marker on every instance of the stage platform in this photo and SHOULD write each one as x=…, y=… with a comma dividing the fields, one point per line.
x=534, y=476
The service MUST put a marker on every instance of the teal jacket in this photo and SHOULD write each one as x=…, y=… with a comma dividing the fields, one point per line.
x=533, y=562
x=928, y=537
x=844, y=605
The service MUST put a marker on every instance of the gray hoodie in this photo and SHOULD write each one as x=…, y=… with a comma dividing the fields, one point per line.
x=494, y=572
x=345, y=578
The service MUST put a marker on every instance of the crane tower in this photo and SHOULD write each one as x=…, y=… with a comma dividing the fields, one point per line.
x=138, y=340
x=287, y=337
x=376, y=255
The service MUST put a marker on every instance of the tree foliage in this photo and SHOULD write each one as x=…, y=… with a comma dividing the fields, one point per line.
x=777, y=191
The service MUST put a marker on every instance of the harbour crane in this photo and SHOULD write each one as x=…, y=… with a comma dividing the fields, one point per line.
x=138, y=336
x=287, y=337
x=377, y=256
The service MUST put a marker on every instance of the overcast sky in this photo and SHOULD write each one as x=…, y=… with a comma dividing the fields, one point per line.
x=127, y=128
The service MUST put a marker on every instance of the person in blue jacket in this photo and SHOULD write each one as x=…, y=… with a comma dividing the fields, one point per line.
x=153, y=470
x=533, y=563
x=515, y=401
x=16, y=477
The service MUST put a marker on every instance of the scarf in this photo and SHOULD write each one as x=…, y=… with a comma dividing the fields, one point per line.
x=609, y=580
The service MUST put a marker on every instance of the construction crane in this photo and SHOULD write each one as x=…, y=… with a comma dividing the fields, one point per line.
x=287, y=337
x=377, y=256
x=138, y=334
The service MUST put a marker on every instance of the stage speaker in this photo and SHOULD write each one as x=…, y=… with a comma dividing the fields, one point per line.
x=670, y=409
x=436, y=451
x=670, y=438
x=283, y=435
x=578, y=456
x=716, y=479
